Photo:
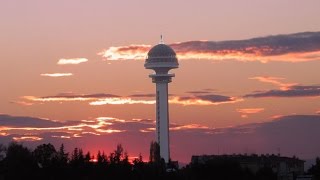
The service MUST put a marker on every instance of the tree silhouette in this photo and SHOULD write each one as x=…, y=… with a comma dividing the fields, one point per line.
x=138, y=161
x=62, y=156
x=77, y=158
x=2, y=151
x=44, y=154
x=74, y=155
x=87, y=157
x=18, y=159
x=101, y=159
x=117, y=155
x=81, y=157
x=315, y=169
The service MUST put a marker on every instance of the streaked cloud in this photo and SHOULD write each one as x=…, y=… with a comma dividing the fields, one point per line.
x=3, y=134
x=188, y=127
x=62, y=137
x=250, y=110
x=111, y=99
x=69, y=97
x=109, y=131
x=208, y=99
x=293, y=91
x=177, y=127
x=198, y=92
x=23, y=121
x=246, y=111
x=27, y=138
x=133, y=51
x=297, y=47
x=120, y=101
x=56, y=74
x=20, y=128
x=143, y=95
x=277, y=116
x=187, y=139
x=72, y=61
x=274, y=80
x=23, y=103
x=23, y=126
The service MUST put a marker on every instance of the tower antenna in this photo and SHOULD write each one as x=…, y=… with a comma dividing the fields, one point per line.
x=161, y=39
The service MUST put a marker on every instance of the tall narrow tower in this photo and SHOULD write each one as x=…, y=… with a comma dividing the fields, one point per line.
x=161, y=58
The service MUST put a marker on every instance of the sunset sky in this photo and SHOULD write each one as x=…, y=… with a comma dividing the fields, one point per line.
x=72, y=72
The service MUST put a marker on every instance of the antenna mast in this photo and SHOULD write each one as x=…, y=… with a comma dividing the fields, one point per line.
x=161, y=39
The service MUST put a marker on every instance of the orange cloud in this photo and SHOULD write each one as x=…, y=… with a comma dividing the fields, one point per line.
x=104, y=119
x=105, y=99
x=109, y=131
x=126, y=52
x=62, y=137
x=274, y=80
x=72, y=61
x=246, y=111
x=57, y=99
x=278, y=116
x=23, y=103
x=139, y=52
x=250, y=110
x=292, y=91
x=146, y=130
x=27, y=138
x=189, y=126
x=96, y=127
x=176, y=127
x=299, y=47
x=3, y=134
x=56, y=74
x=201, y=102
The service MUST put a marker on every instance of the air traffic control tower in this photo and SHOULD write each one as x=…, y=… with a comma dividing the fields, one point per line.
x=162, y=58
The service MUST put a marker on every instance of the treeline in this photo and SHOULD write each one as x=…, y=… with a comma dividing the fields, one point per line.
x=47, y=162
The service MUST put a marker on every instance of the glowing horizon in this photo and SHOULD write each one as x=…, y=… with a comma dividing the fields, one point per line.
x=77, y=76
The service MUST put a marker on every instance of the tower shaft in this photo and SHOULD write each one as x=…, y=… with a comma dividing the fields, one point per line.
x=162, y=58
x=162, y=119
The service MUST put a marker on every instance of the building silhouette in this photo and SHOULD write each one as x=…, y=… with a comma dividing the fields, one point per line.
x=162, y=58
x=286, y=168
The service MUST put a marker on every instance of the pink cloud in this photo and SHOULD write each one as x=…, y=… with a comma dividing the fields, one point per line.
x=72, y=61
x=56, y=74
x=274, y=80
x=125, y=52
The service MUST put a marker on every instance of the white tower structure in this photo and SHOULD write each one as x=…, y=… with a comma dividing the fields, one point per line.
x=161, y=58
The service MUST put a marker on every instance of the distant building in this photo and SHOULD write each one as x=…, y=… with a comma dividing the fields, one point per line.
x=286, y=168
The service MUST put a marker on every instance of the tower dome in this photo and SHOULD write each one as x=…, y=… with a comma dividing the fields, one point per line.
x=161, y=50
x=161, y=56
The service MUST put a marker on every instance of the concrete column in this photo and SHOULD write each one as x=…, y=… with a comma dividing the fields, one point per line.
x=162, y=119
